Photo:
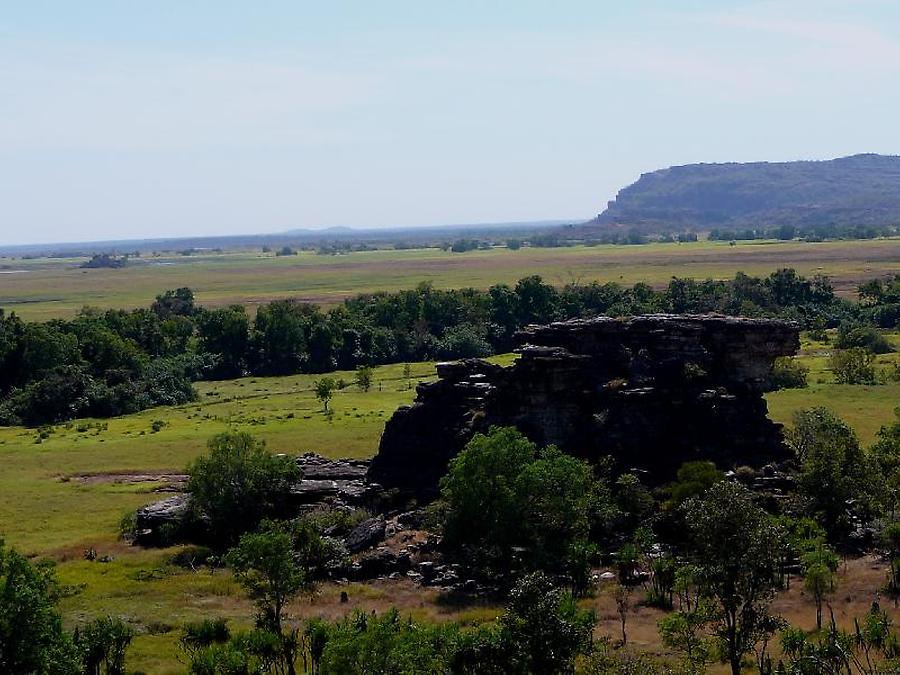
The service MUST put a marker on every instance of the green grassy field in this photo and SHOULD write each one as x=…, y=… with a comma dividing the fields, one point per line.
x=68, y=493
x=43, y=288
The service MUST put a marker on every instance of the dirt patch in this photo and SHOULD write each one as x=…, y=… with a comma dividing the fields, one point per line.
x=172, y=481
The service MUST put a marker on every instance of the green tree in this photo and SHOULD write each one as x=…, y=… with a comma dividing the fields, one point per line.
x=788, y=373
x=363, y=377
x=835, y=474
x=484, y=513
x=407, y=375
x=325, y=388
x=890, y=537
x=279, y=338
x=238, y=484
x=818, y=581
x=852, y=366
x=225, y=333
x=544, y=627
x=263, y=564
x=179, y=302
x=687, y=633
x=31, y=635
x=735, y=547
x=693, y=479
x=103, y=643
x=505, y=500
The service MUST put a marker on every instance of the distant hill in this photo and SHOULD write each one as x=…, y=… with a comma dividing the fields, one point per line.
x=857, y=191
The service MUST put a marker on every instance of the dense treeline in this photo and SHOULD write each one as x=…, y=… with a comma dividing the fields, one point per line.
x=106, y=363
x=818, y=232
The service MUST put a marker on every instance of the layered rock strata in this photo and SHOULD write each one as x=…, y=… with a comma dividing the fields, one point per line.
x=650, y=391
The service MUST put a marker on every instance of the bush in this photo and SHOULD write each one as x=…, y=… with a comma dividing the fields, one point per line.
x=852, y=366
x=463, y=342
x=238, y=484
x=862, y=337
x=103, y=643
x=31, y=635
x=788, y=373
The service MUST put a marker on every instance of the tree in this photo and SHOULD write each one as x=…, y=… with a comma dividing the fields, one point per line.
x=818, y=581
x=852, y=366
x=687, y=633
x=363, y=378
x=693, y=479
x=179, y=302
x=279, y=338
x=225, y=333
x=508, y=504
x=544, y=627
x=734, y=546
x=31, y=635
x=835, y=474
x=890, y=538
x=103, y=643
x=238, y=484
x=324, y=389
x=788, y=373
x=536, y=301
x=263, y=564
x=464, y=341
x=623, y=607
x=407, y=375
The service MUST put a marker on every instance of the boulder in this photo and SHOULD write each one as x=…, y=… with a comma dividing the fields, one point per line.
x=366, y=534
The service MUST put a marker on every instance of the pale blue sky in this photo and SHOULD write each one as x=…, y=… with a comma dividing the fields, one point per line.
x=188, y=117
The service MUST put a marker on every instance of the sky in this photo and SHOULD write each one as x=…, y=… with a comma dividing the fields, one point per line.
x=133, y=119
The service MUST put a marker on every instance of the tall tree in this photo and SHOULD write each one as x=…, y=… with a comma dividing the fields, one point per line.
x=735, y=547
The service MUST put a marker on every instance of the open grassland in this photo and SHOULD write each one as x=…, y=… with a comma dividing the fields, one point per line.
x=68, y=493
x=49, y=288
x=865, y=408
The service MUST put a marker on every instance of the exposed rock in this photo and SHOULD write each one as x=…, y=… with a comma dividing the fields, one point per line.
x=323, y=479
x=336, y=483
x=151, y=520
x=651, y=391
x=366, y=534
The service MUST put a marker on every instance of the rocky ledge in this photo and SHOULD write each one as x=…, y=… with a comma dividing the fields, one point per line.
x=324, y=482
x=650, y=391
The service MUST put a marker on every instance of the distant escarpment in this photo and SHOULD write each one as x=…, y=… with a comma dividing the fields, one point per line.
x=651, y=392
x=857, y=191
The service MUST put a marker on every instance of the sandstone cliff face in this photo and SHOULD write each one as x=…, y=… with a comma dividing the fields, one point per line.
x=651, y=392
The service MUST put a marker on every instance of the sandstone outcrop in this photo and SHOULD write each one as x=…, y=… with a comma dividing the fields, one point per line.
x=650, y=391
x=324, y=482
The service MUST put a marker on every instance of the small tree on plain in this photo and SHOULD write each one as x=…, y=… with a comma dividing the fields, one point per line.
x=324, y=389
x=363, y=377
x=818, y=581
x=407, y=375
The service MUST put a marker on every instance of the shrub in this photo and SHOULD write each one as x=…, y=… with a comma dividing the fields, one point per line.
x=788, y=373
x=862, y=337
x=238, y=484
x=852, y=366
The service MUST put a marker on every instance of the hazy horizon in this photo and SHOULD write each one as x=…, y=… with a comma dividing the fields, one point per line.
x=219, y=118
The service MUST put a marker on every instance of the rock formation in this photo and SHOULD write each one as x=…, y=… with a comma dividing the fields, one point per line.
x=651, y=392
x=336, y=483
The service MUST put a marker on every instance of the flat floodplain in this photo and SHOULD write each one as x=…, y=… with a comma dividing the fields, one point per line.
x=45, y=288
